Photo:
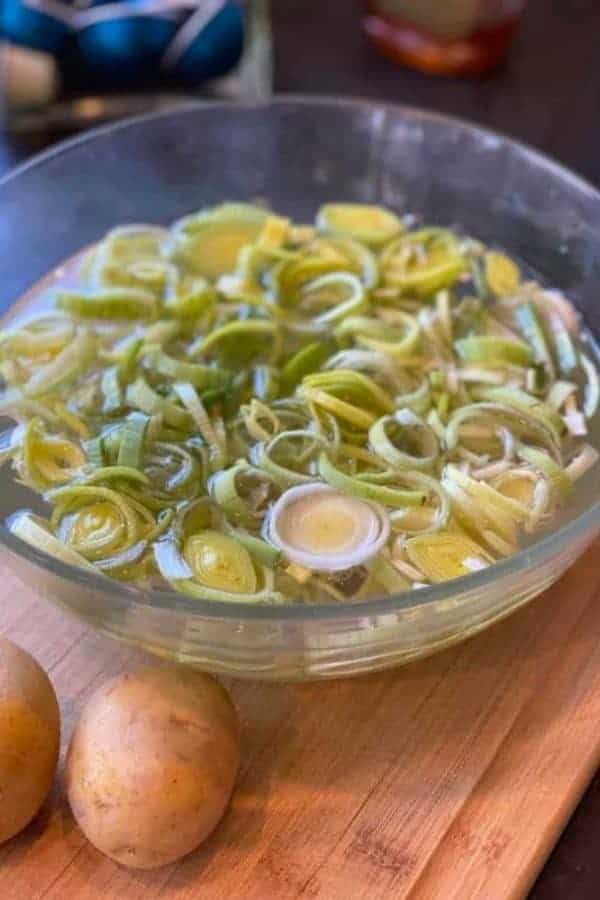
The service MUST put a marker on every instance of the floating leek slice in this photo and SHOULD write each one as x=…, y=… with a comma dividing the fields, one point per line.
x=592, y=388
x=422, y=262
x=131, y=444
x=35, y=531
x=443, y=556
x=260, y=551
x=48, y=460
x=305, y=361
x=288, y=279
x=43, y=336
x=174, y=569
x=71, y=362
x=556, y=475
x=266, y=382
x=98, y=522
x=110, y=386
x=405, y=441
x=352, y=388
x=532, y=327
x=243, y=492
x=212, y=435
x=337, y=294
x=199, y=375
x=109, y=303
x=192, y=298
x=525, y=403
x=326, y=531
x=129, y=256
x=353, y=257
x=564, y=348
x=220, y=562
x=387, y=575
x=493, y=351
x=208, y=244
x=501, y=273
x=398, y=340
x=238, y=343
x=288, y=455
x=368, y=224
x=376, y=493
x=141, y=396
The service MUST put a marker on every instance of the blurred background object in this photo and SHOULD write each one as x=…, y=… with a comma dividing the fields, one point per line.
x=67, y=64
x=443, y=37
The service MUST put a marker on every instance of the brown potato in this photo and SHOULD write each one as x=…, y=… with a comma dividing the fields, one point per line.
x=152, y=764
x=29, y=738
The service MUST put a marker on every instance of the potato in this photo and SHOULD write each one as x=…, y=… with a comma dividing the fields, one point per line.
x=152, y=764
x=29, y=738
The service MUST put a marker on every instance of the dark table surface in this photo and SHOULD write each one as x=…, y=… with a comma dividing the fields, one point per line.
x=548, y=95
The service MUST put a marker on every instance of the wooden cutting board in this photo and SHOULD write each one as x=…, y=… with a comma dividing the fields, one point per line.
x=449, y=779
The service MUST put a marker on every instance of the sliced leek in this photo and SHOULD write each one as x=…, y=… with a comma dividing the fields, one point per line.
x=248, y=410
x=109, y=303
x=366, y=490
x=443, y=556
x=220, y=562
x=501, y=273
x=368, y=224
x=415, y=446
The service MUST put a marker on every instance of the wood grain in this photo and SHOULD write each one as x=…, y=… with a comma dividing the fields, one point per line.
x=450, y=778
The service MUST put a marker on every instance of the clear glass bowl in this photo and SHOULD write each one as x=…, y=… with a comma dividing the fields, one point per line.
x=298, y=153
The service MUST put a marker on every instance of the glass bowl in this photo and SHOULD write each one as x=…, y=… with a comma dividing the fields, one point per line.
x=298, y=153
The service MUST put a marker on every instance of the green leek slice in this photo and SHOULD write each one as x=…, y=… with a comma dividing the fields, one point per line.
x=444, y=556
x=526, y=403
x=539, y=460
x=243, y=492
x=305, y=361
x=131, y=444
x=532, y=328
x=378, y=493
x=368, y=224
x=141, y=396
x=49, y=460
x=422, y=262
x=396, y=340
x=493, y=351
x=35, y=531
x=218, y=561
x=419, y=447
x=208, y=244
x=71, y=362
x=353, y=257
x=339, y=294
x=199, y=375
x=289, y=278
x=109, y=303
x=238, y=343
x=501, y=273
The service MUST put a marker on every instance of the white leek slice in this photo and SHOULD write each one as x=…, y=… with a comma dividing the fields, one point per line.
x=29, y=529
x=326, y=531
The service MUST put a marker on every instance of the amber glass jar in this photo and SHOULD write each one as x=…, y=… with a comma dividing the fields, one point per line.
x=443, y=37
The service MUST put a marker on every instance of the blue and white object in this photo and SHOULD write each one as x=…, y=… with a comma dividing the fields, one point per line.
x=39, y=24
x=188, y=40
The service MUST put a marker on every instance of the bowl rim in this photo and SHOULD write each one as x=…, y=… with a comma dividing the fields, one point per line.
x=519, y=563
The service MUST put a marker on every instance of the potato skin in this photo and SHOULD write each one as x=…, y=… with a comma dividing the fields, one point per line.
x=29, y=738
x=152, y=764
